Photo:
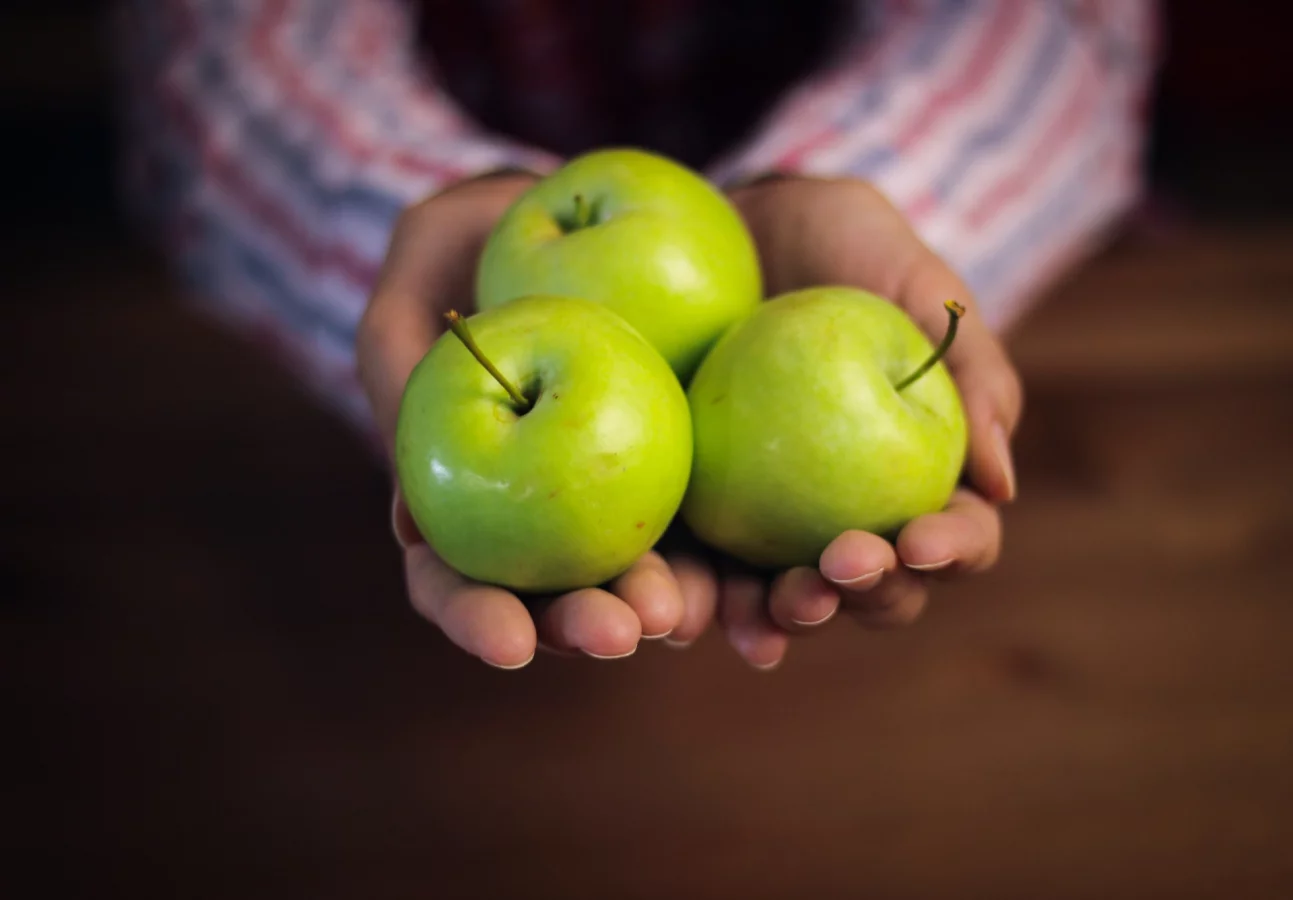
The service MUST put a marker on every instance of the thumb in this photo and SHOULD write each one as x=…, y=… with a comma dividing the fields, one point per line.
x=429, y=269
x=393, y=337
x=990, y=388
x=419, y=280
x=993, y=399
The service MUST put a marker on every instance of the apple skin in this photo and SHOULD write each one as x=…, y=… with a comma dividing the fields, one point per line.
x=570, y=493
x=665, y=249
x=800, y=435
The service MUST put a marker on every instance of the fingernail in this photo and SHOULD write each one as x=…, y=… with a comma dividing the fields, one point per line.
x=931, y=567
x=656, y=637
x=746, y=643
x=395, y=522
x=617, y=656
x=862, y=582
x=512, y=668
x=1004, y=459
x=402, y=526
x=677, y=645
x=822, y=621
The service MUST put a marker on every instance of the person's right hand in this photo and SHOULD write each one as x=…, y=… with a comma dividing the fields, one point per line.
x=430, y=269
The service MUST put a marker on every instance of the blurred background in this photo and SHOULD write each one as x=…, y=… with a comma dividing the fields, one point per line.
x=213, y=686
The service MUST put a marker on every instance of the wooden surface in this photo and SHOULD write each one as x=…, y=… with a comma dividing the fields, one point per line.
x=217, y=689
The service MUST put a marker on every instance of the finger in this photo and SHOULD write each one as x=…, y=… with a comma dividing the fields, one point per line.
x=485, y=621
x=857, y=560
x=592, y=622
x=428, y=269
x=651, y=591
x=400, y=322
x=897, y=600
x=748, y=628
x=699, y=587
x=802, y=599
x=993, y=401
x=965, y=537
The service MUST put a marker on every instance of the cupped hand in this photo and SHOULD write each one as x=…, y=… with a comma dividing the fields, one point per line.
x=809, y=232
x=429, y=269
x=814, y=232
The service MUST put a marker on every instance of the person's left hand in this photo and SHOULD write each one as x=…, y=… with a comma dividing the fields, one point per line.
x=826, y=232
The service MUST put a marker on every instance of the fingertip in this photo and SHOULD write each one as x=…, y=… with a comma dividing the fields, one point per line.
x=1004, y=456
x=965, y=537
x=616, y=636
x=802, y=599
x=898, y=601
x=652, y=592
x=993, y=399
x=514, y=648
x=486, y=621
x=762, y=648
x=856, y=560
x=927, y=541
x=509, y=666
x=750, y=632
x=593, y=622
x=902, y=614
x=990, y=460
x=492, y=624
x=698, y=586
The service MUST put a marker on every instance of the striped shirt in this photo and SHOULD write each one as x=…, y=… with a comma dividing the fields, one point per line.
x=272, y=143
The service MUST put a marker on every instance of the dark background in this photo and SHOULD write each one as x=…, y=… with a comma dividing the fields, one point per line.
x=212, y=686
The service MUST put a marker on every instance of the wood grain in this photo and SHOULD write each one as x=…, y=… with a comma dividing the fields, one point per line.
x=218, y=689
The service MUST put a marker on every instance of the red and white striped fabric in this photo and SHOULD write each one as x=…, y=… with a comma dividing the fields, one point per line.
x=274, y=142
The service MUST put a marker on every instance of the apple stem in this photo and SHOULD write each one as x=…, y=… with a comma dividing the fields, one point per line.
x=954, y=313
x=583, y=212
x=458, y=325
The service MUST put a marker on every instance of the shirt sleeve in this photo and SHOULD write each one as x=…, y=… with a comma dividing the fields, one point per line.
x=270, y=146
x=1010, y=134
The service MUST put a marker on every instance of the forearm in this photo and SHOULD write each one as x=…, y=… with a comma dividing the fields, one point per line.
x=1010, y=134
x=272, y=151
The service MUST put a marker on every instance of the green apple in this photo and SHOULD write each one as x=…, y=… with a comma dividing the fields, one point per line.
x=545, y=447
x=645, y=236
x=827, y=410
